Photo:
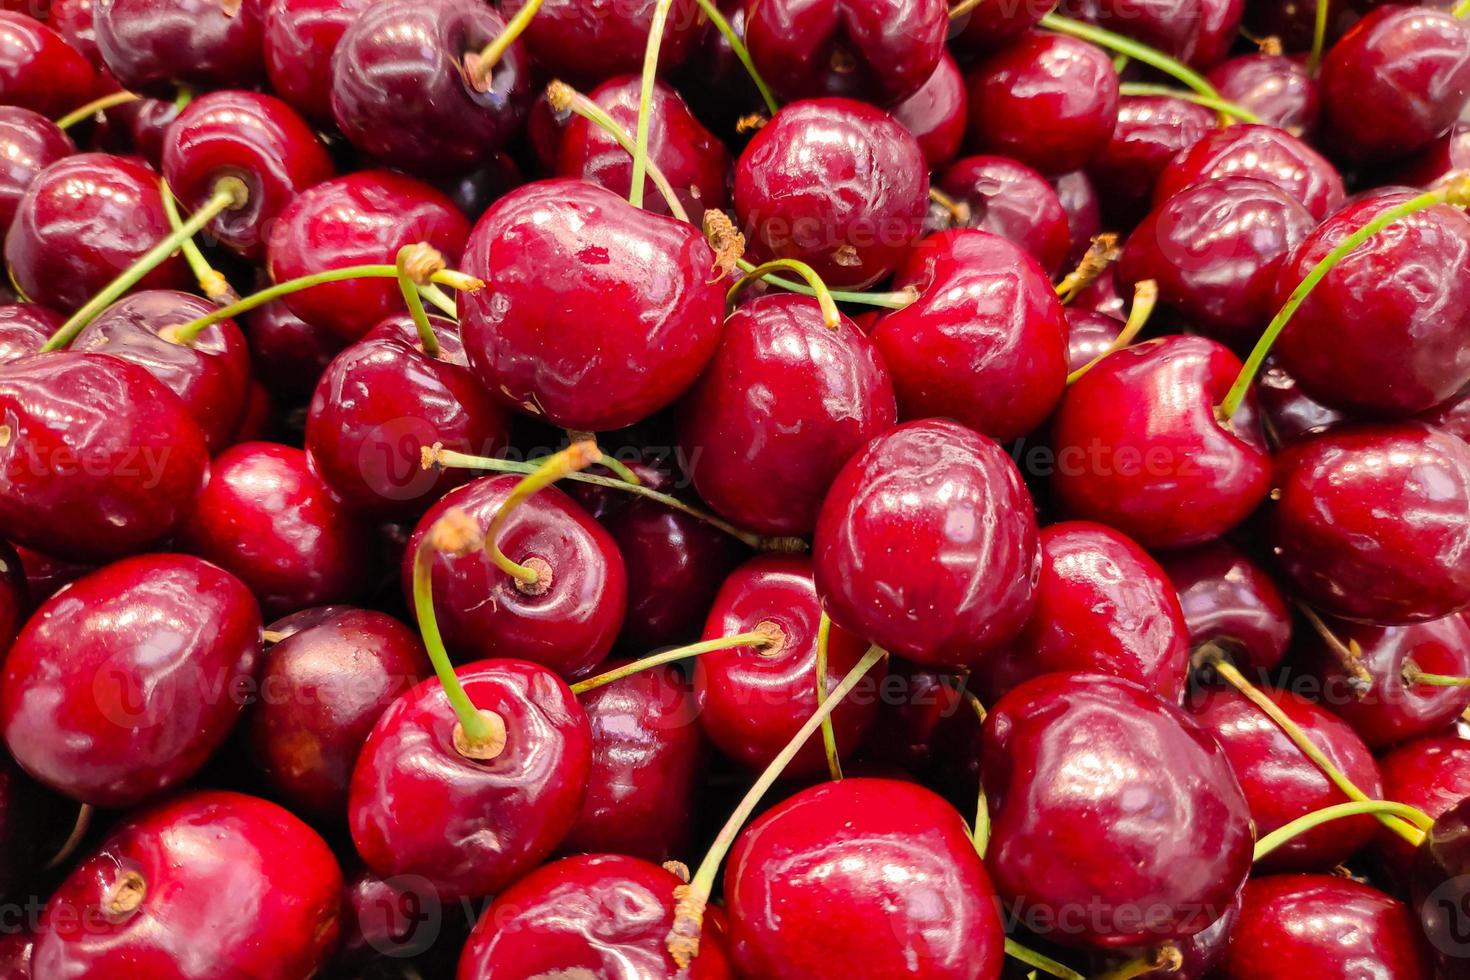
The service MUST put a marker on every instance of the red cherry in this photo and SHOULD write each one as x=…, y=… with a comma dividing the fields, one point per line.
x=1230, y=603
x=45, y=575
x=154, y=46
x=1080, y=201
x=1151, y=131
x=1089, y=335
x=586, y=42
x=72, y=19
x=1172, y=26
x=298, y=39
x=386, y=920
x=928, y=730
x=41, y=72
x=1219, y=24
x=1009, y=199
x=1437, y=161
x=937, y=112
x=29, y=142
x=287, y=353
x=1290, y=413
x=141, y=127
x=24, y=328
x=1432, y=774
x=1264, y=152
x=1279, y=90
x=1452, y=416
x=987, y=27
x=473, y=193
x=1199, y=954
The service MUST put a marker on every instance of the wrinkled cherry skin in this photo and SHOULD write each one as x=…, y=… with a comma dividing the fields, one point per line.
x=322, y=689
x=29, y=142
x=1230, y=602
x=364, y=217
x=927, y=545
x=752, y=701
x=1139, y=449
x=570, y=627
x=210, y=375
x=1264, y=152
x=1384, y=332
x=256, y=138
x=117, y=200
x=835, y=183
x=880, y=51
x=1431, y=773
x=594, y=915
x=1281, y=783
x=1102, y=606
x=1215, y=250
x=784, y=394
x=1048, y=100
x=1103, y=795
x=985, y=342
x=1313, y=924
x=861, y=878
x=288, y=354
x=595, y=314
x=1009, y=199
x=1372, y=522
x=123, y=684
x=1089, y=334
x=586, y=42
x=1151, y=131
x=402, y=95
x=471, y=827
x=298, y=38
x=1278, y=89
x=202, y=857
x=937, y=112
x=24, y=328
x=102, y=461
x=381, y=401
x=1172, y=26
x=39, y=70
x=154, y=46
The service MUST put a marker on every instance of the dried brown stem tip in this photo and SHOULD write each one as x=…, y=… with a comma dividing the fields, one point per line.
x=1103, y=252
x=683, y=938
x=429, y=456
x=421, y=261
x=560, y=95
x=126, y=894
x=456, y=533
x=725, y=239
x=750, y=123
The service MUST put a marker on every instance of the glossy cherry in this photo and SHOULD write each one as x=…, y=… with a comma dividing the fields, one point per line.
x=926, y=727
x=298, y=38
x=141, y=127
x=1440, y=887
x=1172, y=26
x=937, y=112
x=1089, y=335
x=1442, y=157
x=1279, y=90
x=586, y=42
x=713, y=78
x=154, y=46
x=1289, y=413
x=1219, y=25
x=1230, y=603
x=29, y=142
x=1009, y=199
x=24, y=328
x=41, y=71
x=1083, y=207
x=989, y=27
x=1257, y=151
x=287, y=353
x=1431, y=773
x=1151, y=131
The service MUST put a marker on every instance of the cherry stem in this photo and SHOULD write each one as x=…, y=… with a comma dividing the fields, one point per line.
x=758, y=638
x=1461, y=10
x=645, y=99
x=1456, y=193
x=830, y=316
x=963, y=7
x=1125, y=45
x=481, y=64
x=959, y=211
x=691, y=899
x=89, y=110
x=444, y=304
x=1161, y=959
x=415, y=264
x=1310, y=821
x=1145, y=297
x=211, y=281
x=1220, y=105
x=229, y=192
x=981, y=833
x=1037, y=961
x=621, y=471
x=576, y=457
x=829, y=738
x=1349, y=655
x=896, y=300
x=1413, y=675
x=74, y=839
x=737, y=45
x=1319, y=37
x=1103, y=252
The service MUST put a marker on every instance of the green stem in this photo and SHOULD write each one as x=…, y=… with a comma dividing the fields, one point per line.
x=211, y=282
x=1145, y=297
x=576, y=457
x=1045, y=964
x=645, y=99
x=621, y=470
x=754, y=638
x=1317, y=818
x=95, y=106
x=830, y=316
x=1319, y=36
x=962, y=8
x=470, y=719
x=1160, y=959
x=482, y=63
x=1209, y=102
x=737, y=45
x=444, y=304
x=182, y=98
x=427, y=340
x=1126, y=45
x=895, y=300
x=829, y=737
x=1414, y=676
x=1462, y=10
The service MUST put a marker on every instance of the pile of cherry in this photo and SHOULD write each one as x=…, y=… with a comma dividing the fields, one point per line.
x=634, y=489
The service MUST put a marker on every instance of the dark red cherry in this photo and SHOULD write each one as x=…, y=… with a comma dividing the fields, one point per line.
x=863, y=877
x=937, y=112
x=45, y=576
x=471, y=827
x=595, y=915
x=365, y=217
x=1105, y=798
x=835, y=183
x=163, y=896
x=987, y=27
x=1280, y=90
x=985, y=342
x=752, y=700
x=381, y=401
x=712, y=76
x=1365, y=520
x=1048, y=100
x=41, y=72
x=1437, y=161
x=288, y=354
x=117, y=201
x=1215, y=249
x=1138, y=447
x=298, y=38
x=29, y=142
x=323, y=685
x=1265, y=152
x=926, y=727
x=24, y=328
x=1199, y=954
x=258, y=423
x=1009, y=199
x=387, y=920
x=1281, y=783
x=1452, y=416
x=1293, y=21
x=1289, y=413
x=1089, y=335
x=155, y=46
x=72, y=19
x=696, y=164
x=15, y=601
x=586, y=42
x=566, y=621
x=927, y=545
x=1394, y=82
x=1300, y=925
x=1102, y=606
x=1440, y=888
x=142, y=126
x=880, y=51
x=210, y=375
x=1151, y=131
x=1172, y=26
x=122, y=685
x=1431, y=773
x=1080, y=201
x=98, y=459
x=256, y=138
x=473, y=193
x=1230, y=603
x=1219, y=24
x=784, y=394
x=595, y=314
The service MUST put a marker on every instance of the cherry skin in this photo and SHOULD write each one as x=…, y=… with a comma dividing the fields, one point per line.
x=1151, y=131
x=474, y=192
x=287, y=353
x=1102, y=794
x=155, y=46
x=364, y=217
x=1089, y=335
x=1230, y=603
x=1278, y=89
x=142, y=126
x=41, y=71
x=595, y=915
x=1047, y=100
x=1009, y=199
x=835, y=183
x=1437, y=161
x=1083, y=207
x=1364, y=517
x=1290, y=413
x=1257, y=151
x=122, y=685
x=172, y=879
x=863, y=877
x=1219, y=24
x=24, y=328
x=713, y=78
x=117, y=200
x=925, y=727
x=1431, y=773
x=927, y=545
x=783, y=394
x=937, y=112
x=45, y=575
x=256, y=138
x=984, y=343
x=1439, y=887
x=586, y=42
x=1452, y=416
x=1172, y=26
x=470, y=827
x=387, y=919
x=381, y=401
x=567, y=621
x=989, y=27
x=1200, y=954
x=298, y=38
x=29, y=142
x=595, y=314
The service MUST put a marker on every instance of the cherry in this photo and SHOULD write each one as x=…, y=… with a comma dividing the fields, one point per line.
x=1437, y=161
x=1279, y=90
x=164, y=892
x=142, y=126
x=45, y=575
x=258, y=423
x=1083, y=207
x=1089, y=335
x=468, y=825
x=298, y=38
x=1290, y=414
x=1048, y=100
x=72, y=19
x=1365, y=517
x=41, y=71
x=927, y=545
x=1452, y=416
x=835, y=183
x=985, y=342
x=1219, y=24
x=287, y=353
x=1009, y=199
x=1151, y=131
x=24, y=328
x=987, y=27
x=1439, y=887
x=569, y=326
x=936, y=113
x=473, y=193
x=1199, y=954
x=1230, y=603
x=1139, y=448
x=122, y=685
x=384, y=921
x=1431, y=774
x=362, y=217
x=154, y=46
x=1257, y=151
x=930, y=730
x=118, y=203
x=586, y=42
x=863, y=877
x=1106, y=799
x=29, y=142
x=1172, y=26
